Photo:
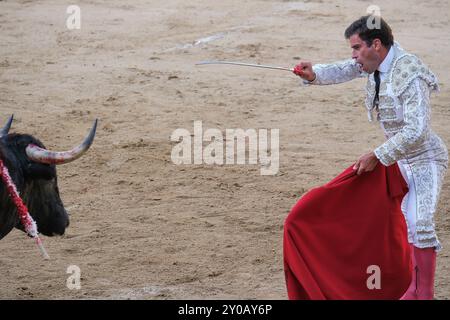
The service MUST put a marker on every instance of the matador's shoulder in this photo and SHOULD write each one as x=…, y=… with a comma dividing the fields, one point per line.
x=408, y=67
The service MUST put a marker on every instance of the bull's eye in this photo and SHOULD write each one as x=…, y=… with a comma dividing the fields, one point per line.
x=40, y=171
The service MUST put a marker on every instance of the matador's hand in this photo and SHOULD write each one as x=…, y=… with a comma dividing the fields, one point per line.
x=367, y=162
x=304, y=70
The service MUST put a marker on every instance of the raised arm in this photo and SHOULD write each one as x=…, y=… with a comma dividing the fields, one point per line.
x=332, y=73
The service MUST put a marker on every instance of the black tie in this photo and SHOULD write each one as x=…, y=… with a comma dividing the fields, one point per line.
x=377, y=88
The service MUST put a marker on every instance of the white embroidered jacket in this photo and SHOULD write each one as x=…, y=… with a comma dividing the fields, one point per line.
x=404, y=106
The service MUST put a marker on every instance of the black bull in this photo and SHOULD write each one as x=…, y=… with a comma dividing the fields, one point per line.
x=33, y=170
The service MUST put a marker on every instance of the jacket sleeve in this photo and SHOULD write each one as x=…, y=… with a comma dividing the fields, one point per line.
x=337, y=72
x=416, y=116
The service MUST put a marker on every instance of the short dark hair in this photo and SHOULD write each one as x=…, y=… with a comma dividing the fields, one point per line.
x=368, y=33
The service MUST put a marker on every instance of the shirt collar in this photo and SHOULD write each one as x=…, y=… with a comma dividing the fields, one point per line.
x=384, y=66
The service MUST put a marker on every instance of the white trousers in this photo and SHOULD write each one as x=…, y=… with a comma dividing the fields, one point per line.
x=419, y=204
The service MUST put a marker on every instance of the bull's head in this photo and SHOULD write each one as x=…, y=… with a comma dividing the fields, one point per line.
x=32, y=167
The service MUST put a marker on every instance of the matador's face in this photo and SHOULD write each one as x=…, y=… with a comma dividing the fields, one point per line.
x=367, y=56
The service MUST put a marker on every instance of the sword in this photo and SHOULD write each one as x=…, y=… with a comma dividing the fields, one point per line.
x=243, y=64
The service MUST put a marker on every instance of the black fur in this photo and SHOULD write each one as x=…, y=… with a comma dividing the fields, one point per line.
x=37, y=185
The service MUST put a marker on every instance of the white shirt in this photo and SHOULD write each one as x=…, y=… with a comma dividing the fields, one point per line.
x=384, y=66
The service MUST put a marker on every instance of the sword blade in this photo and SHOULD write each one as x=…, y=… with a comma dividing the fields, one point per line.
x=243, y=64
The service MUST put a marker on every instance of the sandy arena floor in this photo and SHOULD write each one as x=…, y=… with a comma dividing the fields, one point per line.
x=145, y=228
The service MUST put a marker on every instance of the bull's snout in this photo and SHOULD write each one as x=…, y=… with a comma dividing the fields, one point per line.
x=61, y=226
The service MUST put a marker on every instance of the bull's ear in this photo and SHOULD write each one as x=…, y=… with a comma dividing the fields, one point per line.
x=40, y=171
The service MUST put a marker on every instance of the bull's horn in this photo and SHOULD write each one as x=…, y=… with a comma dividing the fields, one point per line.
x=41, y=155
x=7, y=126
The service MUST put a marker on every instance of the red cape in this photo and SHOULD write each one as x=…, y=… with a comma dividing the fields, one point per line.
x=337, y=231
